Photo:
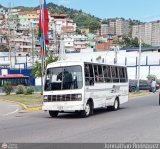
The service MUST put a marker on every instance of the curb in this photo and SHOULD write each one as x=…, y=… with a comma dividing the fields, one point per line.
x=139, y=95
x=33, y=109
x=24, y=107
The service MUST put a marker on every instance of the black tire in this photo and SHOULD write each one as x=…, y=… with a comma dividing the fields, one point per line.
x=88, y=110
x=53, y=113
x=132, y=89
x=116, y=105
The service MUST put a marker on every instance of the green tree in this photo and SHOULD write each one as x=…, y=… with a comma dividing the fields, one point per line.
x=135, y=42
x=94, y=26
x=152, y=77
x=3, y=48
x=7, y=88
x=37, y=68
x=78, y=31
x=125, y=42
x=145, y=45
x=128, y=42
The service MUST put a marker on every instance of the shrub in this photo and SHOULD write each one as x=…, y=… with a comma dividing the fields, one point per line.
x=28, y=90
x=7, y=88
x=20, y=89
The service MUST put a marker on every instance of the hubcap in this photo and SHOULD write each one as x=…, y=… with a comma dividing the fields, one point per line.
x=87, y=109
x=116, y=104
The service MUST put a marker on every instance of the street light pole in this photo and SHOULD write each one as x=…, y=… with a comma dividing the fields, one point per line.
x=139, y=64
x=61, y=52
x=32, y=34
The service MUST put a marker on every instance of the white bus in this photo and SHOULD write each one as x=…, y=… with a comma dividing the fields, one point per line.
x=83, y=86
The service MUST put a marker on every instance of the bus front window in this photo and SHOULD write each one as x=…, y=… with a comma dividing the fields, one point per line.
x=63, y=78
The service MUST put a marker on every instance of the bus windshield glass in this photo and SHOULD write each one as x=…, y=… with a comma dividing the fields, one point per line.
x=63, y=78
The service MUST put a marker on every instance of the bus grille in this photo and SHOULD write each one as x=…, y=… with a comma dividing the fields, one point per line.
x=65, y=97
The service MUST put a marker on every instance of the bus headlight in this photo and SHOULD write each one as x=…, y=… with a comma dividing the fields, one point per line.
x=79, y=97
x=45, y=98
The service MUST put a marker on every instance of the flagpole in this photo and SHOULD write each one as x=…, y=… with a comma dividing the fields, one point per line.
x=44, y=46
x=43, y=34
x=42, y=59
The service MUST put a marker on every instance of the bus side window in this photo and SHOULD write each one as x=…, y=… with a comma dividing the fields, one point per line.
x=122, y=74
x=86, y=71
x=96, y=75
x=89, y=77
x=125, y=74
x=107, y=73
x=100, y=72
x=115, y=75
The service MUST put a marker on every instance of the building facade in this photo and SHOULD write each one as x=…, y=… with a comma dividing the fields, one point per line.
x=148, y=32
x=122, y=27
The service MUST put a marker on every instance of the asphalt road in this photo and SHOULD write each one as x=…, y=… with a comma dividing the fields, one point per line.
x=7, y=109
x=136, y=121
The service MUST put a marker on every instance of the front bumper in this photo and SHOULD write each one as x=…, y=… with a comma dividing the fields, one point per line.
x=52, y=106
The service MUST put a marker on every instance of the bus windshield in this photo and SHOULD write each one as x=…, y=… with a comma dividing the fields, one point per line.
x=63, y=78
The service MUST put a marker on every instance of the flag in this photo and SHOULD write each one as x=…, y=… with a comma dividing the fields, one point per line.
x=43, y=27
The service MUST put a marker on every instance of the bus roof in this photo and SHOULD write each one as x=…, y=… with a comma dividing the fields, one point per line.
x=13, y=76
x=77, y=62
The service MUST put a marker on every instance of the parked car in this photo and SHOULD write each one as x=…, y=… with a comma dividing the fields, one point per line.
x=143, y=85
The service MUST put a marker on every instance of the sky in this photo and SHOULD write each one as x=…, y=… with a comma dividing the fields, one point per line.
x=143, y=10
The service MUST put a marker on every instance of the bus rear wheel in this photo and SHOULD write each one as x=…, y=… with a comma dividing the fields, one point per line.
x=88, y=110
x=53, y=113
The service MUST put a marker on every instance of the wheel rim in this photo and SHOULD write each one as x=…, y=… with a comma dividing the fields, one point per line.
x=116, y=104
x=87, y=109
x=133, y=89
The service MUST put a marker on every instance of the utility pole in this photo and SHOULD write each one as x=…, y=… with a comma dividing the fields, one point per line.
x=61, y=52
x=9, y=35
x=139, y=63
x=116, y=49
x=56, y=40
x=32, y=32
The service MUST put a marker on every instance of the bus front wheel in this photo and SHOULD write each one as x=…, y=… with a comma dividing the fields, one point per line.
x=116, y=104
x=88, y=110
x=53, y=113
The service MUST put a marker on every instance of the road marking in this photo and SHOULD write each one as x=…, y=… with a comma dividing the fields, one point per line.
x=11, y=112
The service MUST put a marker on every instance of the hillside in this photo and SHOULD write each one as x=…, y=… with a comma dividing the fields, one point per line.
x=1, y=6
x=76, y=15
x=81, y=18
